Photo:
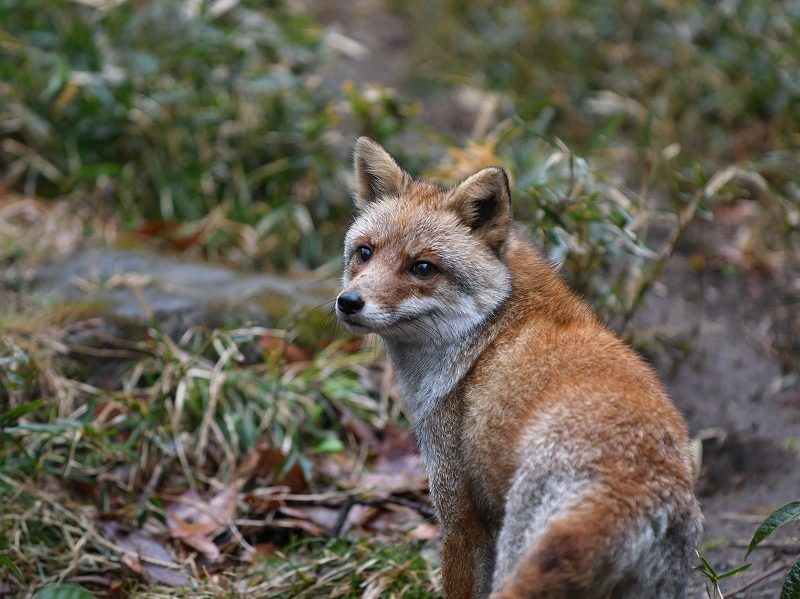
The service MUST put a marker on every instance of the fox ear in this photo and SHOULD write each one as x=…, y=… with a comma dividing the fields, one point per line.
x=483, y=203
x=379, y=174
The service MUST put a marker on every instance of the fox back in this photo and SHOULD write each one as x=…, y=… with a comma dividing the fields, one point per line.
x=557, y=464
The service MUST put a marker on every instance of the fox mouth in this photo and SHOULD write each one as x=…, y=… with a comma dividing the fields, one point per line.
x=391, y=326
x=355, y=323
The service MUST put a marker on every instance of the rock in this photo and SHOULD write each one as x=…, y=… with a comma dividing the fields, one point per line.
x=129, y=286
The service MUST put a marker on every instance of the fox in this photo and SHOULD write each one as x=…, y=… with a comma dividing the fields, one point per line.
x=558, y=466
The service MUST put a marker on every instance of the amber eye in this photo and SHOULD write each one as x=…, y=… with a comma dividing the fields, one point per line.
x=424, y=270
x=363, y=254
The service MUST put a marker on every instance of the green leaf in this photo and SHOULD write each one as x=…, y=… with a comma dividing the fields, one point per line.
x=708, y=571
x=791, y=586
x=778, y=518
x=63, y=591
x=735, y=571
x=21, y=410
x=330, y=445
x=6, y=561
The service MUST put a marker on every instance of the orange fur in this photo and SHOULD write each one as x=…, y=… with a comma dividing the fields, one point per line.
x=558, y=466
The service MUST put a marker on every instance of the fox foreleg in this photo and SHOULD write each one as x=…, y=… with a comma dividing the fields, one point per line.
x=468, y=555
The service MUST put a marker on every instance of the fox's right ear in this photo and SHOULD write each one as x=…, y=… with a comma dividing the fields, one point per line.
x=379, y=175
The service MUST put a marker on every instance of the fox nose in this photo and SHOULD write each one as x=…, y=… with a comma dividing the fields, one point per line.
x=350, y=302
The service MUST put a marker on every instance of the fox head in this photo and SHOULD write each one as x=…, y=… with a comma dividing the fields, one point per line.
x=423, y=263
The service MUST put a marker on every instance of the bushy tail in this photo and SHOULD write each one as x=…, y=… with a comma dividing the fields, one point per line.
x=600, y=552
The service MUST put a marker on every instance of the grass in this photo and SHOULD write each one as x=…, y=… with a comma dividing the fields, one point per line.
x=183, y=415
x=340, y=570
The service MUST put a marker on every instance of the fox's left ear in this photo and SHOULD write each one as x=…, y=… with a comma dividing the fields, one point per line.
x=483, y=203
x=379, y=174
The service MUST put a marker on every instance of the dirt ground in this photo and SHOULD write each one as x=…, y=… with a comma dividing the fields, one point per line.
x=729, y=387
x=729, y=344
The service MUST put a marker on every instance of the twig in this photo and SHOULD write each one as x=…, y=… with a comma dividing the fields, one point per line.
x=685, y=218
x=105, y=353
x=341, y=519
x=423, y=509
x=736, y=517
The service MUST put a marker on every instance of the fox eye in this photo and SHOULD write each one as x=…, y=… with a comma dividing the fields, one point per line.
x=424, y=270
x=363, y=254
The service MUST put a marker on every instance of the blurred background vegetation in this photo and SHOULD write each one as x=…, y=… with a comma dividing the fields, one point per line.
x=218, y=114
x=213, y=129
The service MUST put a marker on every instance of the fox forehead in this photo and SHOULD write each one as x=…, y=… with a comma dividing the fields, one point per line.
x=407, y=230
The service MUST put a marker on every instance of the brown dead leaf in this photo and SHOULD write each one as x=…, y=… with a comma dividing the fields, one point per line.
x=290, y=352
x=362, y=515
x=426, y=531
x=140, y=550
x=399, y=467
x=259, y=505
x=203, y=545
x=264, y=461
x=196, y=522
x=223, y=504
x=309, y=527
x=322, y=516
x=265, y=549
x=396, y=518
x=361, y=430
x=294, y=479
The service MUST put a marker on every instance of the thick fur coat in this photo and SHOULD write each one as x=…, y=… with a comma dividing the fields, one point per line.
x=558, y=466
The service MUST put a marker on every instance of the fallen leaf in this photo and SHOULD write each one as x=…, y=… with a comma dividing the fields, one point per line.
x=426, y=531
x=145, y=547
x=265, y=549
x=196, y=522
x=396, y=518
x=323, y=517
x=294, y=479
x=259, y=506
x=362, y=431
x=361, y=515
x=290, y=352
x=309, y=527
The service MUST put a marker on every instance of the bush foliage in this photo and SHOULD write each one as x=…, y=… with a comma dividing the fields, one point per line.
x=720, y=78
x=167, y=110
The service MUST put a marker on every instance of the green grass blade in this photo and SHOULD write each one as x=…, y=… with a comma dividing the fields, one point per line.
x=16, y=413
x=778, y=518
x=63, y=591
x=734, y=571
x=707, y=571
x=6, y=561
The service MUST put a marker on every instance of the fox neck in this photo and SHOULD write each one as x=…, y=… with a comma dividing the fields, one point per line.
x=428, y=370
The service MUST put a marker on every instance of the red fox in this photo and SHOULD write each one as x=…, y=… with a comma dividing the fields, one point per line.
x=558, y=466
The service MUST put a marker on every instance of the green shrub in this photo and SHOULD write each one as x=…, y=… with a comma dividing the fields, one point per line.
x=169, y=111
x=720, y=78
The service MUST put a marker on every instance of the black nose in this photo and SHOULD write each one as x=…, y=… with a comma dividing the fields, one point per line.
x=350, y=302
